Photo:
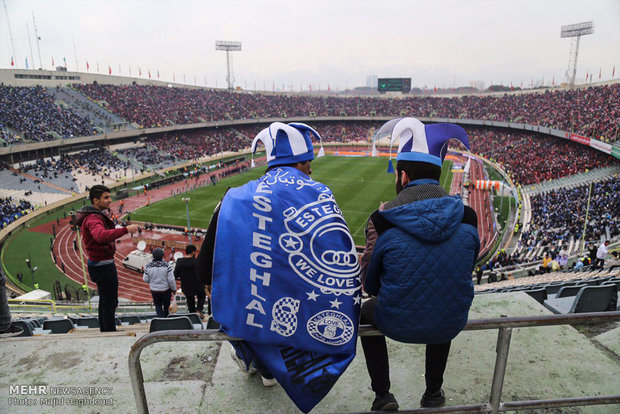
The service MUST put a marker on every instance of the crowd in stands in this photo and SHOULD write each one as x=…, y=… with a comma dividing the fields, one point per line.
x=32, y=114
x=347, y=131
x=96, y=162
x=12, y=210
x=593, y=111
x=95, y=114
x=149, y=157
x=532, y=158
x=5, y=135
x=503, y=259
x=560, y=215
x=197, y=144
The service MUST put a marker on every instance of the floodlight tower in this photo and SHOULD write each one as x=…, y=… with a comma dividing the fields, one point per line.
x=228, y=46
x=575, y=31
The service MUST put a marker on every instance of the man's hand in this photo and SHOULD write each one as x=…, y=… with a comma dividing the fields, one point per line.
x=208, y=291
x=132, y=228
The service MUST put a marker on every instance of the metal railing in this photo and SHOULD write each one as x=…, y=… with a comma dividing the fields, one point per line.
x=44, y=303
x=495, y=405
x=33, y=303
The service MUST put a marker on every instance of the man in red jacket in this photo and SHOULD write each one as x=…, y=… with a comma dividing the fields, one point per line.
x=99, y=233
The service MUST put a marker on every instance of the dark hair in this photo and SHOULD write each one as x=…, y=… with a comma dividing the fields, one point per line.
x=96, y=191
x=416, y=170
x=190, y=248
x=158, y=254
x=292, y=165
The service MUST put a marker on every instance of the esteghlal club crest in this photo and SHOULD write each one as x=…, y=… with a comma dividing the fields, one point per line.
x=332, y=271
x=331, y=327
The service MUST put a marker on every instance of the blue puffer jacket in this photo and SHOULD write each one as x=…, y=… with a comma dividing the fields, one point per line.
x=420, y=271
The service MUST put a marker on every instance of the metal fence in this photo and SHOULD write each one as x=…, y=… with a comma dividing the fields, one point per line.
x=495, y=405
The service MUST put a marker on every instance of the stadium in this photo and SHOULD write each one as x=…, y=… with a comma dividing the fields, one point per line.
x=542, y=174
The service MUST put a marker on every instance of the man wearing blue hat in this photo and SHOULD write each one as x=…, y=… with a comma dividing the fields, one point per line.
x=421, y=248
x=284, y=272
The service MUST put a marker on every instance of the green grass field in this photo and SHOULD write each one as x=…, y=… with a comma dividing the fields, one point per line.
x=359, y=185
x=25, y=243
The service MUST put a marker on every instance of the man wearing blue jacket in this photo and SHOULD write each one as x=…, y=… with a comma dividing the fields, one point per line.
x=421, y=249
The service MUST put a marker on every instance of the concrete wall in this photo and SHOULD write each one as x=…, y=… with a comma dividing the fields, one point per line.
x=53, y=78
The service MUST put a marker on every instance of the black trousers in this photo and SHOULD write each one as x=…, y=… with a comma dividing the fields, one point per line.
x=106, y=279
x=375, y=352
x=161, y=300
x=191, y=301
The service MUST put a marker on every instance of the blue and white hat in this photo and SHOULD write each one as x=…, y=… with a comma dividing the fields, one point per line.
x=419, y=142
x=287, y=144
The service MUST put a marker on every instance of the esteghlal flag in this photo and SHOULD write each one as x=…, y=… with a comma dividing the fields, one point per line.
x=286, y=280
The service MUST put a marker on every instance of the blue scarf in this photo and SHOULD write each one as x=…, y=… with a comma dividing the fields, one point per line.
x=286, y=280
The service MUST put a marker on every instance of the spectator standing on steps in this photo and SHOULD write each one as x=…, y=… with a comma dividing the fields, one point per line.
x=601, y=254
x=99, y=234
x=160, y=277
x=194, y=291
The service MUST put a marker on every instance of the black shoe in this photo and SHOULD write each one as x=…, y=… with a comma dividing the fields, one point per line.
x=385, y=402
x=435, y=400
x=13, y=330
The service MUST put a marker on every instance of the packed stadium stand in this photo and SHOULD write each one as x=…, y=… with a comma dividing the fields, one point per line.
x=31, y=114
x=559, y=215
x=554, y=182
x=533, y=158
x=589, y=111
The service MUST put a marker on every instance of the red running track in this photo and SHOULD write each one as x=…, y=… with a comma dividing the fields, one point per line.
x=130, y=284
x=478, y=200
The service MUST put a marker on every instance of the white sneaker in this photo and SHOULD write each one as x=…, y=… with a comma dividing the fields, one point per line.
x=240, y=363
x=269, y=382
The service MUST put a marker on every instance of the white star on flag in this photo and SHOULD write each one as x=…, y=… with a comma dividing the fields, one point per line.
x=290, y=242
x=335, y=303
x=312, y=296
x=357, y=299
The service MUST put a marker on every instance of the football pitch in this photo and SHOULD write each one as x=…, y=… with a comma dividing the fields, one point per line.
x=359, y=184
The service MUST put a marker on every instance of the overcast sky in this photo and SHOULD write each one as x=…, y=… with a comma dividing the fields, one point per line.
x=438, y=42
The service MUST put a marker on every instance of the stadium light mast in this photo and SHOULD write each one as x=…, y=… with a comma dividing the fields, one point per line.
x=38, y=39
x=575, y=31
x=228, y=46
